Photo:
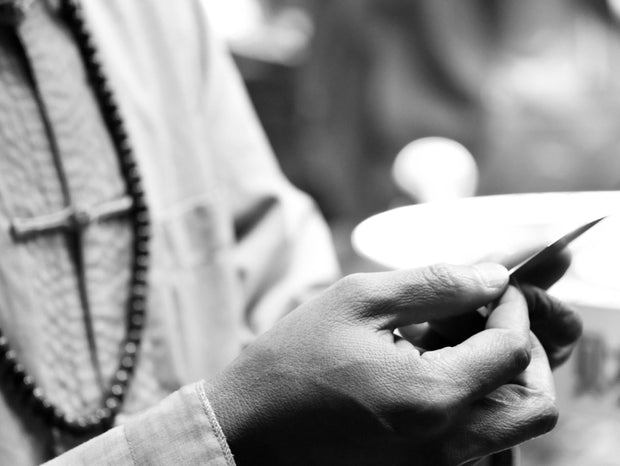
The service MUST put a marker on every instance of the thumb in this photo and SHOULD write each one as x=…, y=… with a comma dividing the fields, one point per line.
x=403, y=297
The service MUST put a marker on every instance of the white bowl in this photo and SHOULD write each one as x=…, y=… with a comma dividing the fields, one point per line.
x=502, y=228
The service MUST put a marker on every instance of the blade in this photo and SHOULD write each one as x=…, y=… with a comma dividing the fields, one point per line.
x=550, y=251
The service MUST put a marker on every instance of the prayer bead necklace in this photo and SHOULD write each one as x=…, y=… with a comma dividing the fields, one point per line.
x=13, y=372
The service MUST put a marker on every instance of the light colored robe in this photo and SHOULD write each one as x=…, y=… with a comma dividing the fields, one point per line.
x=234, y=245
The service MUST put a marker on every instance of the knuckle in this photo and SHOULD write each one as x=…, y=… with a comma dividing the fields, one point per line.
x=429, y=407
x=548, y=309
x=440, y=410
x=354, y=285
x=437, y=418
x=550, y=417
x=547, y=413
x=357, y=290
x=559, y=356
x=441, y=278
x=519, y=348
x=570, y=322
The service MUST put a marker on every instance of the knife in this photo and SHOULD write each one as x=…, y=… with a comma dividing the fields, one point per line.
x=551, y=251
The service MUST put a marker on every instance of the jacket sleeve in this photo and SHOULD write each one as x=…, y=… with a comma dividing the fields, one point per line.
x=182, y=429
x=284, y=249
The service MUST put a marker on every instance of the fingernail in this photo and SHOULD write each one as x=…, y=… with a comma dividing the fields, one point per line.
x=493, y=275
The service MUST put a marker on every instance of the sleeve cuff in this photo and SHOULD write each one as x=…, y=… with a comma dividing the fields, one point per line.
x=182, y=429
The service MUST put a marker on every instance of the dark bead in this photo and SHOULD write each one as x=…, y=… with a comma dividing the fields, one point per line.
x=142, y=261
x=127, y=363
x=19, y=374
x=115, y=116
x=131, y=348
x=69, y=6
x=106, y=93
x=133, y=174
x=143, y=220
x=88, y=46
x=4, y=344
x=82, y=422
x=137, y=320
x=70, y=424
x=8, y=362
x=93, y=421
x=97, y=77
x=81, y=219
x=143, y=232
x=42, y=405
x=107, y=103
x=29, y=383
x=75, y=8
x=38, y=395
x=140, y=275
x=81, y=35
x=117, y=390
x=138, y=306
x=10, y=357
x=58, y=417
x=92, y=68
x=140, y=201
x=12, y=13
x=121, y=376
x=125, y=149
x=47, y=407
x=134, y=336
x=136, y=188
x=102, y=414
x=140, y=291
x=113, y=404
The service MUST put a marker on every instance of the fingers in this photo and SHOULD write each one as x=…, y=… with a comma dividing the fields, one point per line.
x=515, y=412
x=511, y=313
x=538, y=374
x=492, y=357
x=424, y=337
x=556, y=325
x=458, y=328
x=394, y=299
x=503, y=382
x=547, y=273
x=508, y=417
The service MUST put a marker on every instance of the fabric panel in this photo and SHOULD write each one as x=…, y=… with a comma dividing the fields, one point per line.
x=182, y=429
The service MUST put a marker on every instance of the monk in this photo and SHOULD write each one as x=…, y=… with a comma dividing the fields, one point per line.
x=147, y=237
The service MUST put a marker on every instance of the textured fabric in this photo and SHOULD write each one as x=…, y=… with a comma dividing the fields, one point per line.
x=40, y=309
x=180, y=430
x=234, y=245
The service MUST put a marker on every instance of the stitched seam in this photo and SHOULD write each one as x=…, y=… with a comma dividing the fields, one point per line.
x=215, y=426
x=129, y=447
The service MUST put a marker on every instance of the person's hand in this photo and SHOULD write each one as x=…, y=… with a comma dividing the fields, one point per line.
x=331, y=384
x=557, y=325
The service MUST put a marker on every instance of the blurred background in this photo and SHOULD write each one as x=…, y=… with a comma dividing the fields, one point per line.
x=530, y=88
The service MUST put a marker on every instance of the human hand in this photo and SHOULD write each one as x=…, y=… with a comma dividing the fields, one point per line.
x=331, y=384
x=557, y=325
